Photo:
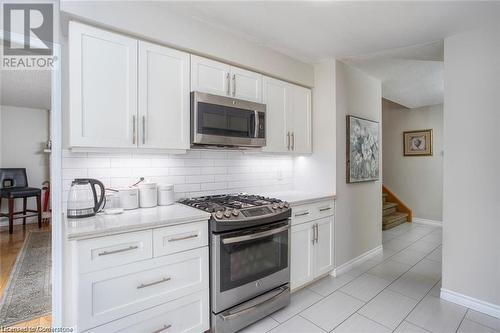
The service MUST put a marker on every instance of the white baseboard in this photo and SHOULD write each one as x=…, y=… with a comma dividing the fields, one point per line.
x=427, y=221
x=470, y=302
x=4, y=222
x=356, y=261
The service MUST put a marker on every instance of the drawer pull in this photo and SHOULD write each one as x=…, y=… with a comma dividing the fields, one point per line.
x=302, y=214
x=165, y=327
x=325, y=209
x=130, y=248
x=182, y=238
x=144, y=285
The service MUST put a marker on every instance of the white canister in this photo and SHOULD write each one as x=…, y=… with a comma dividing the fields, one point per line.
x=129, y=198
x=166, y=194
x=148, y=195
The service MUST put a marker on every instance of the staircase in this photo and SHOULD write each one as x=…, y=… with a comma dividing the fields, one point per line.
x=394, y=211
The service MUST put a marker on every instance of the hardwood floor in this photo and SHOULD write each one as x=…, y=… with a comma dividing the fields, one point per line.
x=10, y=245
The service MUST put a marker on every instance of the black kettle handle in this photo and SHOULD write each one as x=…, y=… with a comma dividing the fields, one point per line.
x=97, y=203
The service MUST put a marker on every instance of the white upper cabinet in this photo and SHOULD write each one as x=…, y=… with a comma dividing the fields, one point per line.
x=301, y=120
x=103, y=88
x=217, y=78
x=246, y=85
x=288, y=112
x=277, y=97
x=163, y=97
x=210, y=76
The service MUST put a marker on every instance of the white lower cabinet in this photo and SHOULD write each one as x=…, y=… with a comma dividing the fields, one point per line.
x=143, y=281
x=312, y=249
x=187, y=315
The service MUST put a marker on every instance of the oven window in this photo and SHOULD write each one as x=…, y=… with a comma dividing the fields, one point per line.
x=225, y=121
x=251, y=260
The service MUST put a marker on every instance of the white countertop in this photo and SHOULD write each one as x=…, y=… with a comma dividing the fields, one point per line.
x=296, y=198
x=132, y=220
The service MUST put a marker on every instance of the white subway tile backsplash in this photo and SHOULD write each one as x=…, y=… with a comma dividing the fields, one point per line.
x=196, y=173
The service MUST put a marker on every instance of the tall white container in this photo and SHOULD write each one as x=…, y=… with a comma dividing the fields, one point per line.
x=148, y=195
x=166, y=194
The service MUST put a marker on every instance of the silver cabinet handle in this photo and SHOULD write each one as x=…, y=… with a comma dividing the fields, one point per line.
x=293, y=140
x=288, y=140
x=302, y=214
x=144, y=285
x=130, y=248
x=234, y=84
x=263, y=234
x=182, y=238
x=134, y=130
x=325, y=209
x=316, y=232
x=143, y=130
x=228, y=84
x=165, y=327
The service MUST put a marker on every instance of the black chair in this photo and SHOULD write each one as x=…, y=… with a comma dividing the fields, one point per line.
x=14, y=185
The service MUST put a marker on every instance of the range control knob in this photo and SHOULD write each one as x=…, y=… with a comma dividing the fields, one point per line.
x=282, y=204
x=236, y=212
x=227, y=213
x=219, y=214
x=275, y=206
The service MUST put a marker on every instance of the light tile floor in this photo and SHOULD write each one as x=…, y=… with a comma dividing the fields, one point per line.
x=396, y=291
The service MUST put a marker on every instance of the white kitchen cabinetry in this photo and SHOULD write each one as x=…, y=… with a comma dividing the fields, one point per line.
x=288, y=112
x=163, y=97
x=102, y=88
x=312, y=249
x=126, y=93
x=217, y=78
x=141, y=281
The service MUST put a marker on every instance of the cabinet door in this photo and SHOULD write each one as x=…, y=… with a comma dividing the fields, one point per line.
x=324, y=246
x=276, y=96
x=209, y=76
x=246, y=85
x=301, y=129
x=163, y=97
x=103, y=88
x=301, y=255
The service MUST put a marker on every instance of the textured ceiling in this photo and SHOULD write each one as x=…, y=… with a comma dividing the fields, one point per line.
x=315, y=30
x=411, y=76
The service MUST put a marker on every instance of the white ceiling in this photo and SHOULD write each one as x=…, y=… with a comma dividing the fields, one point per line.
x=314, y=30
x=411, y=76
x=25, y=88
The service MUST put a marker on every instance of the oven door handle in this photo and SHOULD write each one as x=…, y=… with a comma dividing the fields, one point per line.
x=263, y=234
x=230, y=315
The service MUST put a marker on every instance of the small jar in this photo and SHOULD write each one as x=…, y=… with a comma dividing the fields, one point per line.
x=148, y=195
x=166, y=194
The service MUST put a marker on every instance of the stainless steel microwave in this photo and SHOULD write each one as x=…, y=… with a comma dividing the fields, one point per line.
x=227, y=122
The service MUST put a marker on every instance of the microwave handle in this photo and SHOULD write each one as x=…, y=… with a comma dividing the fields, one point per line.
x=257, y=120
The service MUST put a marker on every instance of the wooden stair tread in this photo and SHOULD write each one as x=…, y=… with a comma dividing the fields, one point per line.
x=394, y=217
x=389, y=205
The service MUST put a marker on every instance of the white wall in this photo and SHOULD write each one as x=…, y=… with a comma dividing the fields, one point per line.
x=24, y=132
x=151, y=21
x=417, y=180
x=358, y=220
x=471, y=223
x=193, y=174
x=316, y=172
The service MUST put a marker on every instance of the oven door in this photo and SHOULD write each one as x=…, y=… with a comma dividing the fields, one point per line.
x=218, y=120
x=247, y=263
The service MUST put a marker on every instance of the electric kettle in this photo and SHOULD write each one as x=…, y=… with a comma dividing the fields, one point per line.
x=83, y=200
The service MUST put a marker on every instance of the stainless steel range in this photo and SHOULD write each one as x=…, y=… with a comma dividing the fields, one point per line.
x=249, y=257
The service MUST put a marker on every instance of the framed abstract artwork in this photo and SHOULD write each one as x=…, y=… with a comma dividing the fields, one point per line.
x=363, y=150
x=417, y=143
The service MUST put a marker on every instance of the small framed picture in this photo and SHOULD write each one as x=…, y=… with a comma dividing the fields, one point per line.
x=418, y=143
